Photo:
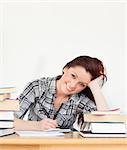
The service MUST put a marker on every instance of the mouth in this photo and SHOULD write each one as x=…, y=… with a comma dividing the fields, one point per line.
x=69, y=89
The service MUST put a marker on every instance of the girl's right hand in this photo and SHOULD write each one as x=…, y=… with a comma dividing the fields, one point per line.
x=47, y=123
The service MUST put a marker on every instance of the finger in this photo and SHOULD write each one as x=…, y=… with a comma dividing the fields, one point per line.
x=52, y=121
x=55, y=121
x=100, y=77
x=100, y=80
x=50, y=125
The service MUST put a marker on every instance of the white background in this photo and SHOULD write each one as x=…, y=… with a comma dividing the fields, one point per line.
x=38, y=38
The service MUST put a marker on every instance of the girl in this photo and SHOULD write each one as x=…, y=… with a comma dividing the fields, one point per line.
x=56, y=101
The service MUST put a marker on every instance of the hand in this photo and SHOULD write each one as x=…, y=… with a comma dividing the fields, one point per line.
x=47, y=123
x=98, y=82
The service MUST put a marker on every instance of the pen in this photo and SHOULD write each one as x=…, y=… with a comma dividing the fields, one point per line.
x=45, y=111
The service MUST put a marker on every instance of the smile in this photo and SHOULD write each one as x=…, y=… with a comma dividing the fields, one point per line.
x=69, y=89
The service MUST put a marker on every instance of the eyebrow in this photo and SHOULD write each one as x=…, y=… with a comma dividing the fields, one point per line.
x=78, y=77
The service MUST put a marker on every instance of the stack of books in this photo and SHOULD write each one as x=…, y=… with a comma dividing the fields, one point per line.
x=7, y=108
x=104, y=124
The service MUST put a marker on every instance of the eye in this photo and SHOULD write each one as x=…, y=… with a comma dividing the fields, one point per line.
x=82, y=84
x=73, y=76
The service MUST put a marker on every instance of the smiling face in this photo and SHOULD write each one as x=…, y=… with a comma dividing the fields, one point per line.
x=74, y=80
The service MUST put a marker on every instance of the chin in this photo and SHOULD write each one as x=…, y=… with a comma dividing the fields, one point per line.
x=70, y=93
x=66, y=92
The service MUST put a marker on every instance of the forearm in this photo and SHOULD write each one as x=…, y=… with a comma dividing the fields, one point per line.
x=99, y=97
x=25, y=125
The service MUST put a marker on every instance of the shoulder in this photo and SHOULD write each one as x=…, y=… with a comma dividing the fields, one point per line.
x=37, y=87
x=42, y=83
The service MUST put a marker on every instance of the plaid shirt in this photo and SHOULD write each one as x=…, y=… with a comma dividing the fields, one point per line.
x=38, y=97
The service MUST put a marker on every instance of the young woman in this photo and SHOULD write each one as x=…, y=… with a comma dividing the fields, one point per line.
x=56, y=101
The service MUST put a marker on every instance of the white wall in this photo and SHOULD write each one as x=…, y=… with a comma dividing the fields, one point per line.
x=126, y=59
x=38, y=38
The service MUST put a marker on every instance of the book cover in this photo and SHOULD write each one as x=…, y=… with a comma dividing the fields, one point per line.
x=7, y=89
x=102, y=135
x=7, y=131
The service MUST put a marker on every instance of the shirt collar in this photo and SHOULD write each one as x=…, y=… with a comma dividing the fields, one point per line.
x=52, y=85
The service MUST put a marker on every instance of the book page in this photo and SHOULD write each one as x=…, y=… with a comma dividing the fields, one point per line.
x=39, y=133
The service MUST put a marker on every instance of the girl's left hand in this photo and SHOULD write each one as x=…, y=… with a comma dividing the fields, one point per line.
x=96, y=82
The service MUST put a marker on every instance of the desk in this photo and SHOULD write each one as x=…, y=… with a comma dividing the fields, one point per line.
x=71, y=141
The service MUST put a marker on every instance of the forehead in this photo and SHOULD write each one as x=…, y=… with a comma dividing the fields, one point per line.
x=81, y=73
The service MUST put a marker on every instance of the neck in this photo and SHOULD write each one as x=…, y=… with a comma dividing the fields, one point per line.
x=59, y=93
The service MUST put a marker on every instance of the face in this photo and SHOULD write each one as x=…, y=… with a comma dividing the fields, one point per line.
x=74, y=80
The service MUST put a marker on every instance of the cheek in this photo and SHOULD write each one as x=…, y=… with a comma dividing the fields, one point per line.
x=66, y=78
x=79, y=89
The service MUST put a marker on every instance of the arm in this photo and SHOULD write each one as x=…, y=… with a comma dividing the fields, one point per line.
x=20, y=124
x=98, y=95
x=27, y=99
x=34, y=125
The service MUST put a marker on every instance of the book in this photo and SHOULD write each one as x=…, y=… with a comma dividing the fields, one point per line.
x=6, y=124
x=9, y=104
x=6, y=115
x=7, y=108
x=102, y=135
x=104, y=124
x=108, y=127
x=4, y=96
x=39, y=133
x=7, y=89
x=7, y=131
x=105, y=118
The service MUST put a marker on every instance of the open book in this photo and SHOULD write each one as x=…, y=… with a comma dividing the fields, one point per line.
x=107, y=112
x=53, y=132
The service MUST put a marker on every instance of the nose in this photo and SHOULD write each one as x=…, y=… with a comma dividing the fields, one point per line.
x=73, y=85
